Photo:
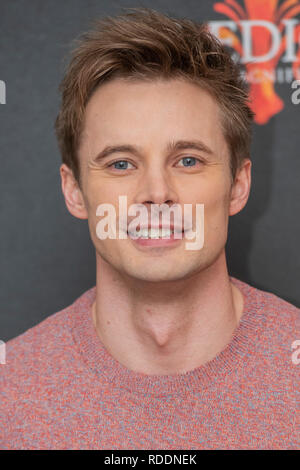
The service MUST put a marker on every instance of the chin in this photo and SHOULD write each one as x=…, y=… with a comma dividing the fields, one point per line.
x=161, y=273
x=157, y=278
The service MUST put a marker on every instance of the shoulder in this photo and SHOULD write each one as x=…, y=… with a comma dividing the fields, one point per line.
x=279, y=315
x=281, y=331
x=54, y=333
x=42, y=366
x=45, y=350
x=282, y=317
x=34, y=344
x=276, y=335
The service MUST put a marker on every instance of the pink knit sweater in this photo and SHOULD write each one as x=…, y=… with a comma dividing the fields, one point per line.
x=61, y=389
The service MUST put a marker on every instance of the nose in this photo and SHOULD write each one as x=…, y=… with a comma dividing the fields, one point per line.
x=156, y=187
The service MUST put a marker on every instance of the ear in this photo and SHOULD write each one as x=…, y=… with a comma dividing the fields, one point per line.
x=73, y=195
x=240, y=189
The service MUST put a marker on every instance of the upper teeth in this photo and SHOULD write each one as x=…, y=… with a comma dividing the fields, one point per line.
x=152, y=233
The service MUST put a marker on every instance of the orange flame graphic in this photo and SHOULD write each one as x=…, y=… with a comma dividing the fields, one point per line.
x=264, y=101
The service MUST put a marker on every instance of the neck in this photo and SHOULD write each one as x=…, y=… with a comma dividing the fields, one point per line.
x=166, y=327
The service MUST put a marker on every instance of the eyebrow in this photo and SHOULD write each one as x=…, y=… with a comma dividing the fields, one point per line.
x=171, y=147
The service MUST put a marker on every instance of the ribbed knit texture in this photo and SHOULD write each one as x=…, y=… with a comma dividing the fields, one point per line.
x=61, y=389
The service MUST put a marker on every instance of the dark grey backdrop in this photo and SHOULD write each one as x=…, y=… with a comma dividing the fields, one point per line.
x=47, y=259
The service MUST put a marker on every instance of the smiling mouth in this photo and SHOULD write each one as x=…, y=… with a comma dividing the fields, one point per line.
x=155, y=233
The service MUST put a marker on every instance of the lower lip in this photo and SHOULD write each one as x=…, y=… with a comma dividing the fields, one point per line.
x=156, y=242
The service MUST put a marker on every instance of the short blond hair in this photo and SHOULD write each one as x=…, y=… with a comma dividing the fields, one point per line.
x=147, y=45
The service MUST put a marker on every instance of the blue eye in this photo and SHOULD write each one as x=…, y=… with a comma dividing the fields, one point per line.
x=123, y=165
x=189, y=160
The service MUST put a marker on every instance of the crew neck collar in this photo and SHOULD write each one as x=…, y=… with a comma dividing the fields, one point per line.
x=236, y=353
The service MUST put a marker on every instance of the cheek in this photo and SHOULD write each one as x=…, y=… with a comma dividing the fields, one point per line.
x=96, y=193
x=215, y=198
x=214, y=194
x=216, y=215
x=218, y=200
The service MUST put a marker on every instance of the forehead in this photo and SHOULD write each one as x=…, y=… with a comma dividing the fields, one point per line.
x=150, y=113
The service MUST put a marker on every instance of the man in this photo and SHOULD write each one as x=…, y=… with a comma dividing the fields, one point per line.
x=167, y=351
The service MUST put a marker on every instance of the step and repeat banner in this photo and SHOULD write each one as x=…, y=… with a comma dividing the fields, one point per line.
x=47, y=258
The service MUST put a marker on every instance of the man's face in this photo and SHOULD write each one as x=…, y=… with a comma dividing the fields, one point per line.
x=150, y=116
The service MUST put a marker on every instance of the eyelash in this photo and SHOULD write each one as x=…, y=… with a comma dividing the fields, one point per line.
x=123, y=160
x=117, y=161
